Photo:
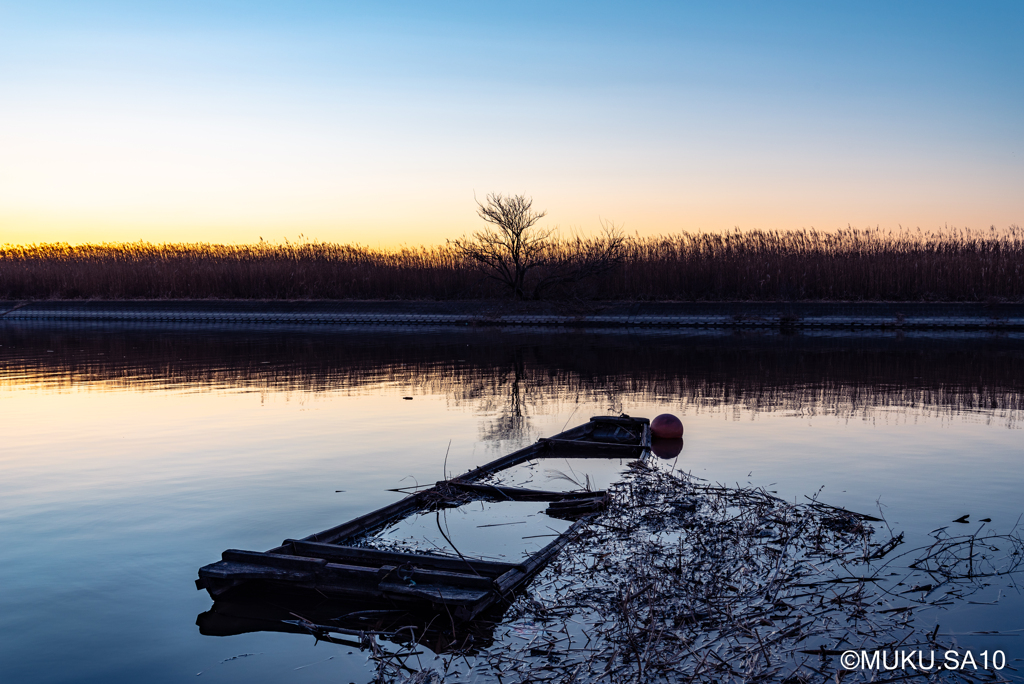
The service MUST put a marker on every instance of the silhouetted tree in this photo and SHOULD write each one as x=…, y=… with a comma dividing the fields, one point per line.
x=512, y=247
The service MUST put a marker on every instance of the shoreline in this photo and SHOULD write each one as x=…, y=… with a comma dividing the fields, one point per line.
x=893, y=316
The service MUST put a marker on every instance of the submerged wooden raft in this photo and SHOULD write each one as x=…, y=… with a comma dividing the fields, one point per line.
x=328, y=563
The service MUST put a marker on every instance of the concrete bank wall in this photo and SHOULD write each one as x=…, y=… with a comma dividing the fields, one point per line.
x=834, y=315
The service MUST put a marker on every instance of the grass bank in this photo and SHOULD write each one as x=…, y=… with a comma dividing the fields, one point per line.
x=803, y=265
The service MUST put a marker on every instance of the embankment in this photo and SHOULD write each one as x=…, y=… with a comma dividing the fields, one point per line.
x=497, y=313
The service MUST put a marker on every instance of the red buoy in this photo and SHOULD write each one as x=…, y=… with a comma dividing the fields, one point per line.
x=667, y=426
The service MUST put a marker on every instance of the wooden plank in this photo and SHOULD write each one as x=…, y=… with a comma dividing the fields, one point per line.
x=458, y=580
x=364, y=581
x=232, y=570
x=370, y=520
x=274, y=560
x=520, y=493
x=589, y=446
x=591, y=497
x=569, y=436
x=357, y=556
x=568, y=510
x=392, y=574
x=592, y=502
x=515, y=458
x=435, y=593
x=338, y=572
x=274, y=566
x=514, y=578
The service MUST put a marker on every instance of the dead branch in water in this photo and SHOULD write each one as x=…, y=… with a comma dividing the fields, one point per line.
x=681, y=580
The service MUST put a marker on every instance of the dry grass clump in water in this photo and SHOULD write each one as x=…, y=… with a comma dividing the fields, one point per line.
x=848, y=265
x=681, y=581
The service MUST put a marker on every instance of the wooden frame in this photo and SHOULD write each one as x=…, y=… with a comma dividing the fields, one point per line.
x=463, y=587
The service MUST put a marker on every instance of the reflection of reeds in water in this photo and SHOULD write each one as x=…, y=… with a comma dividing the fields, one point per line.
x=513, y=377
x=952, y=265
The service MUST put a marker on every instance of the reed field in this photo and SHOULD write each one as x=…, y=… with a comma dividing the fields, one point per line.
x=800, y=265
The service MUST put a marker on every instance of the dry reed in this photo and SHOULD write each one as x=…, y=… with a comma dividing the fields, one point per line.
x=685, y=581
x=848, y=265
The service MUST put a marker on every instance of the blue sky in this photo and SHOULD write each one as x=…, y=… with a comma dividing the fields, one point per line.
x=377, y=122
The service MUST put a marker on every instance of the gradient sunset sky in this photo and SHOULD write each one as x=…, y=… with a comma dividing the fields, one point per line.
x=376, y=122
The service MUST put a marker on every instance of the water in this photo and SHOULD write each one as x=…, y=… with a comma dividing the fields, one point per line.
x=134, y=455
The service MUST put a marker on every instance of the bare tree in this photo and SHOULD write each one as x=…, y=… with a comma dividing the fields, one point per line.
x=512, y=248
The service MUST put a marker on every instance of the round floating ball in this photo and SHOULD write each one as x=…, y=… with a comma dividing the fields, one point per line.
x=667, y=426
x=666, y=448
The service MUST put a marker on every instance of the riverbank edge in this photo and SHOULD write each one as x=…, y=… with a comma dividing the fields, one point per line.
x=555, y=315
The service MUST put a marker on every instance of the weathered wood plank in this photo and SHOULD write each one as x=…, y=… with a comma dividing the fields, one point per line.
x=438, y=578
x=353, y=555
x=583, y=446
x=233, y=570
x=594, y=497
x=340, y=573
x=276, y=566
x=520, y=493
x=370, y=520
x=516, y=577
x=274, y=560
x=436, y=593
x=568, y=510
x=515, y=458
x=569, y=436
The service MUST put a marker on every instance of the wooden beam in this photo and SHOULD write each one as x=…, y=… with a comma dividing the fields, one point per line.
x=363, y=556
x=515, y=458
x=520, y=493
x=514, y=578
x=273, y=560
x=589, y=446
x=371, y=520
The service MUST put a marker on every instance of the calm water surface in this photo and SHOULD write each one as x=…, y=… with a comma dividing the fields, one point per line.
x=134, y=455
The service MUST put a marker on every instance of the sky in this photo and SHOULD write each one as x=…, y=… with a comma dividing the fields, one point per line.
x=382, y=123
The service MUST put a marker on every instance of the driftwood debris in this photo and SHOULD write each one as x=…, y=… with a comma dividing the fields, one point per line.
x=685, y=581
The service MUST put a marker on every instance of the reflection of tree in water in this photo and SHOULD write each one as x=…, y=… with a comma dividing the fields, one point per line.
x=509, y=399
x=515, y=376
x=520, y=387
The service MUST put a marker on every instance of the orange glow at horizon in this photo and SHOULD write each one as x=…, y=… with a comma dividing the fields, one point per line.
x=389, y=226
